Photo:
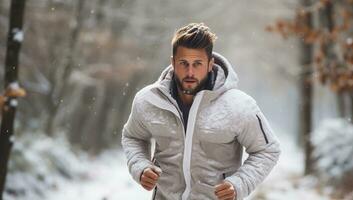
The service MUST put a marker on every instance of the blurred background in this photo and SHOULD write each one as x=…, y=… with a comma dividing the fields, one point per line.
x=81, y=62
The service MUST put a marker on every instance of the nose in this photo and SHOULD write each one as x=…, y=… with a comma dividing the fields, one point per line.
x=190, y=71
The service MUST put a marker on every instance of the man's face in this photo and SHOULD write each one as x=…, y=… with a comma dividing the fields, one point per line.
x=191, y=67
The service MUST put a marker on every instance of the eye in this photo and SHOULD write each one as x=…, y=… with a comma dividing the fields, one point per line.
x=197, y=64
x=183, y=63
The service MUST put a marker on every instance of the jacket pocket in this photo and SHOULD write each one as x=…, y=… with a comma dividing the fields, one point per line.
x=162, y=134
x=228, y=172
x=217, y=145
x=162, y=143
x=204, y=191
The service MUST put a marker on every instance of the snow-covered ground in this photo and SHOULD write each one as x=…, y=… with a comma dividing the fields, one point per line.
x=109, y=179
x=106, y=176
x=50, y=169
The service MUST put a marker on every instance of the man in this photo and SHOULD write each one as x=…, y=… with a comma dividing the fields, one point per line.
x=200, y=122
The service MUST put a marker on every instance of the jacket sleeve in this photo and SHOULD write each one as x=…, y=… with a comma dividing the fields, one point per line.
x=136, y=143
x=263, y=148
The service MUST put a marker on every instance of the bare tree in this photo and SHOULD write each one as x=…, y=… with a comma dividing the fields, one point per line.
x=14, y=40
x=326, y=22
x=58, y=91
x=332, y=60
x=306, y=88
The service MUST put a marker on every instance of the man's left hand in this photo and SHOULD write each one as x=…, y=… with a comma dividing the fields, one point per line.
x=225, y=191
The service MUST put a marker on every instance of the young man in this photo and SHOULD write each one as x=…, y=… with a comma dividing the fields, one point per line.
x=200, y=121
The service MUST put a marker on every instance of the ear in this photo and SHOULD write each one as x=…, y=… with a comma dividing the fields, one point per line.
x=210, y=65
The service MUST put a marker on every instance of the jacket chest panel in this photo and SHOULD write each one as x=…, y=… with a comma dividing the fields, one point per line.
x=216, y=133
x=218, y=120
x=165, y=129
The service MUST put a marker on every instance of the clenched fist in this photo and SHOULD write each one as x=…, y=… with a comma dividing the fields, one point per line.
x=225, y=191
x=149, y=177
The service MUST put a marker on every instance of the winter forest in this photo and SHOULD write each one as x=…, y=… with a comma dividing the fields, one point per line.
x=69, y=71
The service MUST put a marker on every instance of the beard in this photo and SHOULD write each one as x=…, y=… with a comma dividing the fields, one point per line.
x=190, y=91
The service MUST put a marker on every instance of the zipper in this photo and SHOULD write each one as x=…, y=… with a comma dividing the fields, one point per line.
x=187, y=142
x=262, y=129
x=154, y=193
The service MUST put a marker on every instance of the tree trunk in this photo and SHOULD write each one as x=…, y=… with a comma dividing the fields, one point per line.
x=80, y=132
x=341, y=104
x=1, y=7
x=57, y=93
x=14, y=40
x=101, y=134
x=306, y=93
x=350, y=93
x=351, y=107
x=326, y=16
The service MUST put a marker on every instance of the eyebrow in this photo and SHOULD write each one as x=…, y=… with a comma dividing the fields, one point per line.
x=187, y=61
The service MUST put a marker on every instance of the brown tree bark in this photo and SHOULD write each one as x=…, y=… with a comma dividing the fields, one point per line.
x=327, y=23
x=17, y=9
x=306, y=88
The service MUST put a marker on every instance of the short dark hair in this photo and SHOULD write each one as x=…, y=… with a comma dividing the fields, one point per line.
x=194, y=36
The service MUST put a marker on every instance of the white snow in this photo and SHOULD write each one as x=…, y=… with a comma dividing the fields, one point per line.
x=14, y=85
x=18, y=35
x=108, y=178
x=13, y=102
x=38, y=164
x=333, y=140
x=43, y=168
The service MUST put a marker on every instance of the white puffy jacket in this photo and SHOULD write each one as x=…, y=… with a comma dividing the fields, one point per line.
x=221, y=122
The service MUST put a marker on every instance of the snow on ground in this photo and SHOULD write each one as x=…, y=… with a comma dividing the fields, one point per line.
x=109, y=179
x=50, y=169
x=106, y=177
x=333, y=141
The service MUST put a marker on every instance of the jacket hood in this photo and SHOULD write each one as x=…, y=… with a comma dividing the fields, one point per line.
x=226, y=76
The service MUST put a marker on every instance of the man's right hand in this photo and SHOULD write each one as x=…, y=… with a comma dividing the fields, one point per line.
x=150, y=177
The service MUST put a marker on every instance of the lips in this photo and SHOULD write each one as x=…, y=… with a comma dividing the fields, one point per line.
x=190, y=80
